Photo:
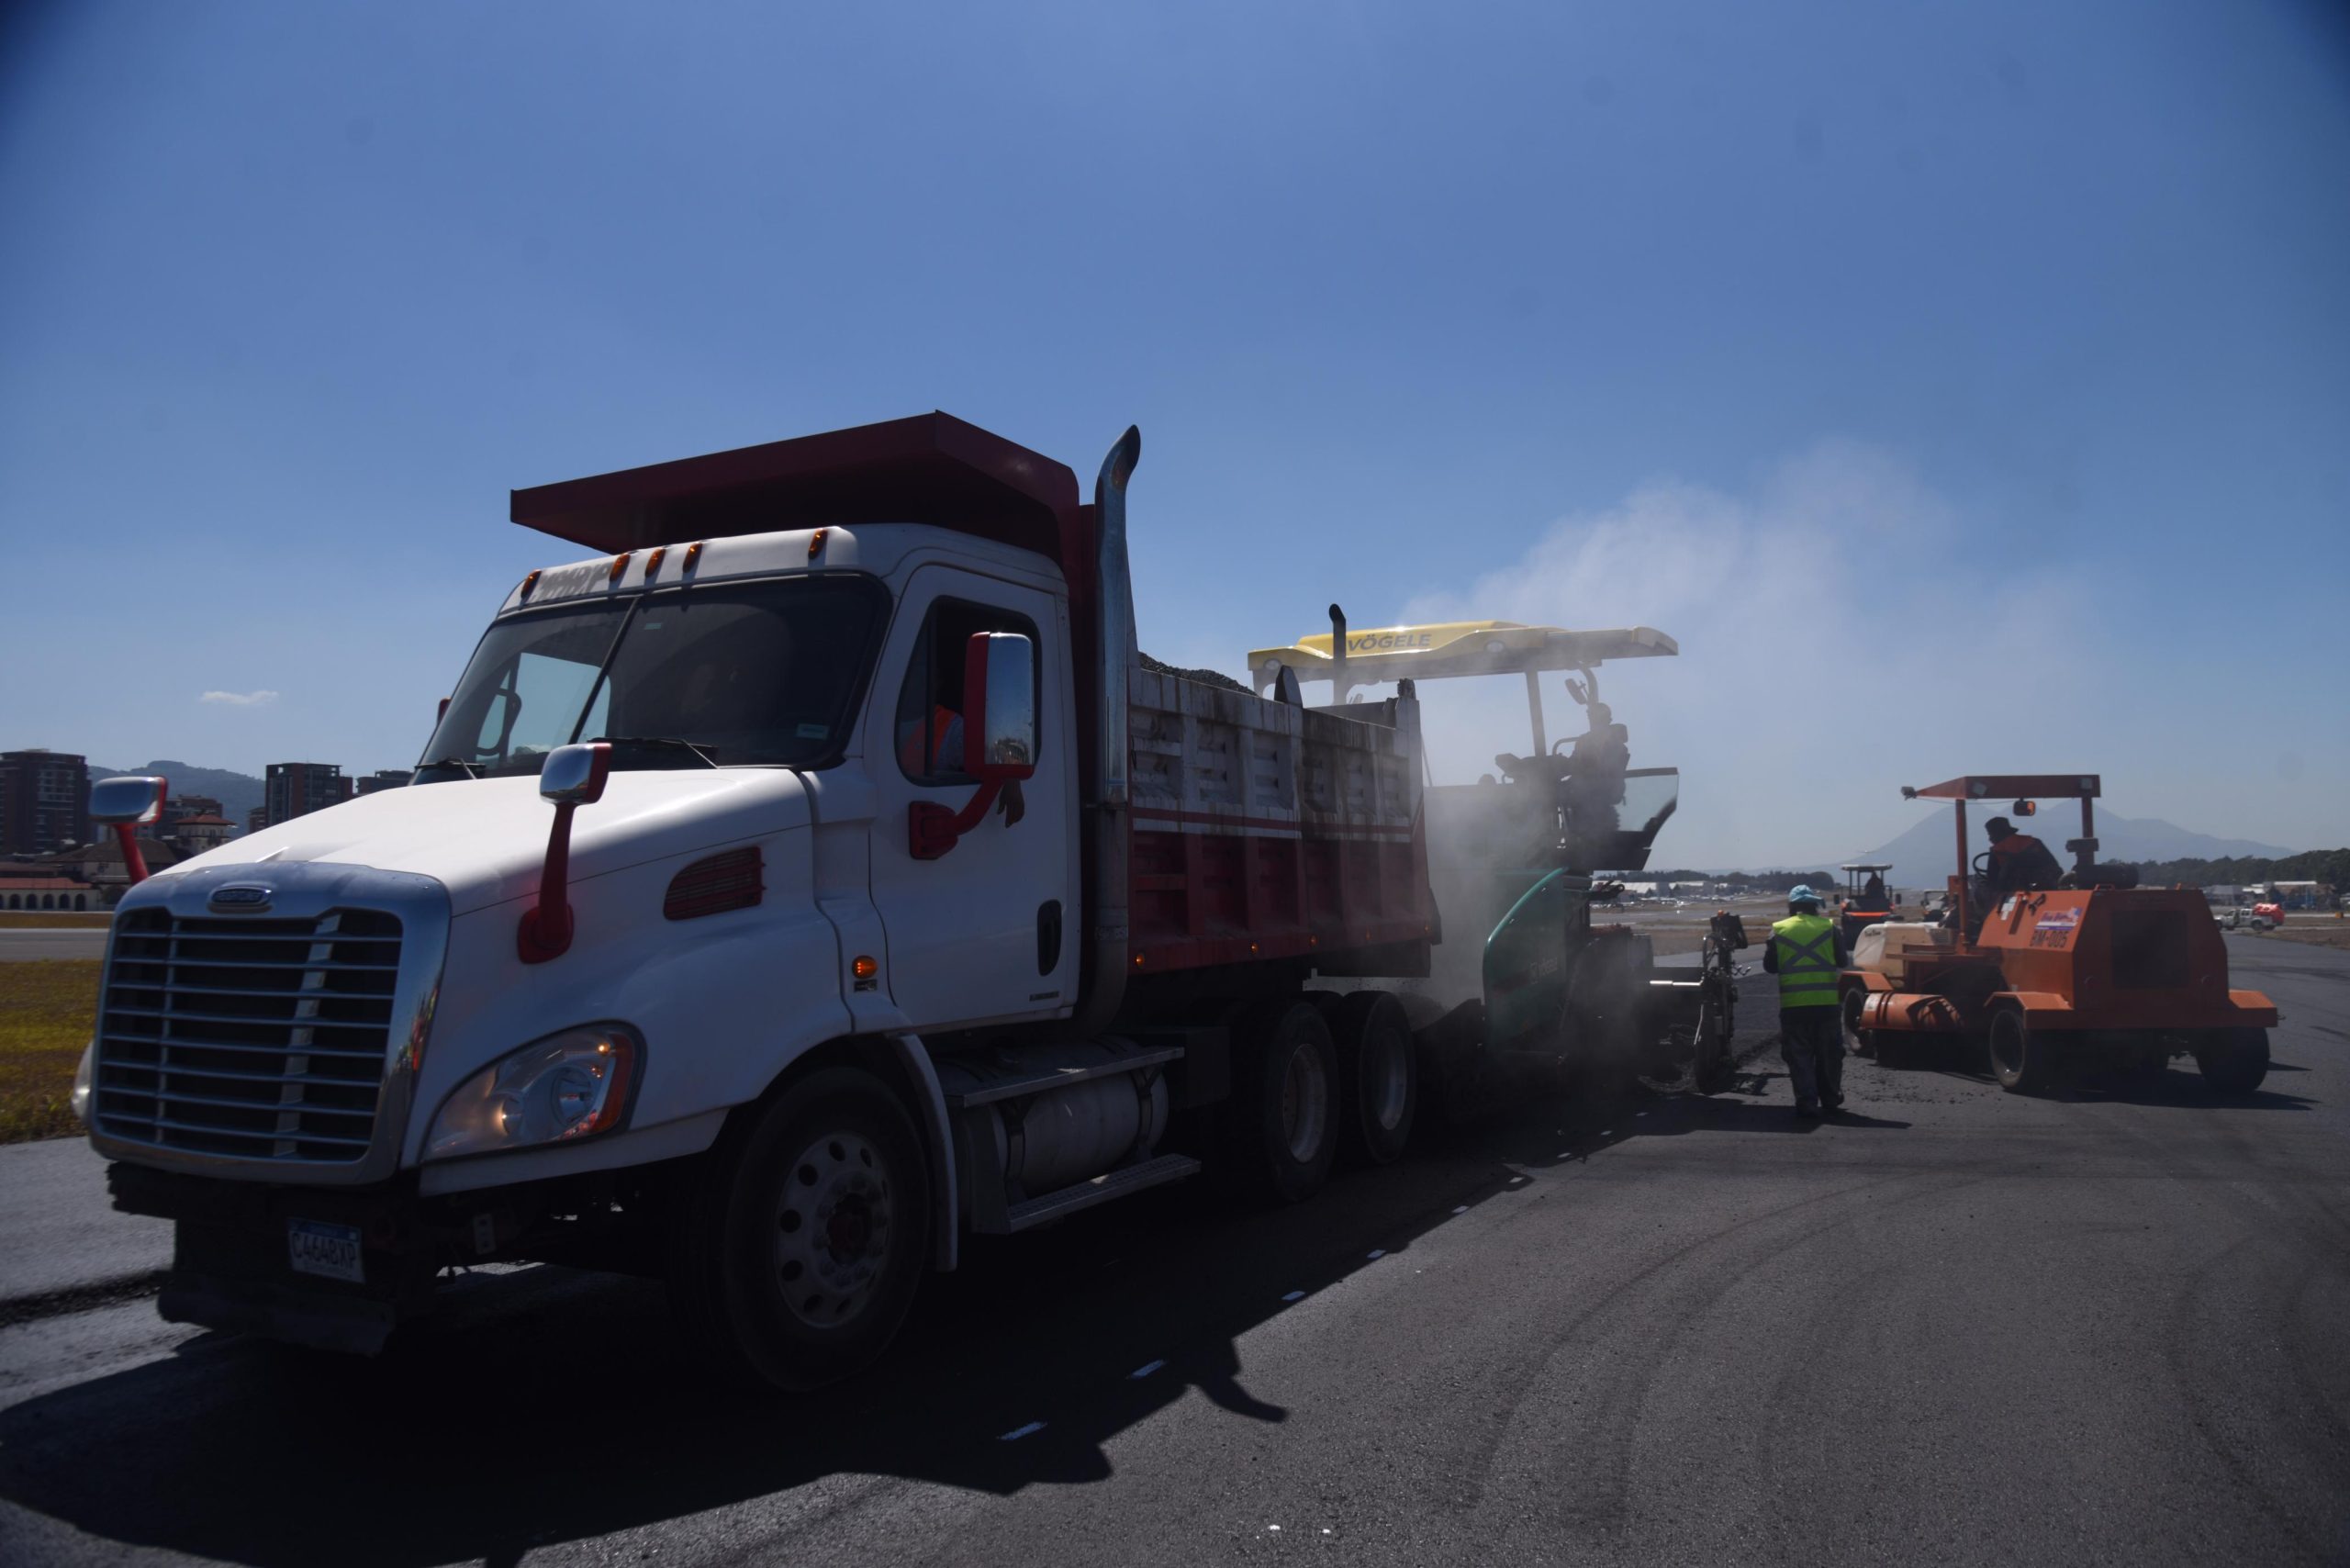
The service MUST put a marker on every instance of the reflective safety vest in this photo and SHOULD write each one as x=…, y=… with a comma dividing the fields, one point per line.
x=1805, y=945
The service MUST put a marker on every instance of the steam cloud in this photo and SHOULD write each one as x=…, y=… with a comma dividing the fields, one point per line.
x=1843, y=633
x=240, y=699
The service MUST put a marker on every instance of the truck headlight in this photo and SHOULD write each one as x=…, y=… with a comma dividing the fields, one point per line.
x=82, y=1074
x=559, y=1090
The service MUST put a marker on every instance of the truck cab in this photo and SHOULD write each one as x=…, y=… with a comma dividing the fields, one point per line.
x=806, y=880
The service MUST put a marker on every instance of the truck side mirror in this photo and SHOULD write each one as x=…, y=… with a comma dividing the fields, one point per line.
x=571, y=777
x=999, y=707
x=126, y=805
x=127, y=801
x=575, y=775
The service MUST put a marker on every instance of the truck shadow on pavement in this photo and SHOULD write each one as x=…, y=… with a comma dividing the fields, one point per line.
x=547, y=1406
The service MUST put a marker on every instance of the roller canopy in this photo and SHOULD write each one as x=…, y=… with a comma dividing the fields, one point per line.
x=2011, y=786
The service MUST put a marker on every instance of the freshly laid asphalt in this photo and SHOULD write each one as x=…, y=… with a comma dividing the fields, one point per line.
x=2112, y=1324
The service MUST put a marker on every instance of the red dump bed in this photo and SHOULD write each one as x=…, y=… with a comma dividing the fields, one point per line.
x=1263, y=831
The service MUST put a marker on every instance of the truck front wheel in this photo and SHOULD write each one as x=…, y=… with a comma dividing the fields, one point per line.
x=808, y=1237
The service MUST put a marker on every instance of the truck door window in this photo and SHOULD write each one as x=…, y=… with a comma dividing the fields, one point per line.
x=929, y=729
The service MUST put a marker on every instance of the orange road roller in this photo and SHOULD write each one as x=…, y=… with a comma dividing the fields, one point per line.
x=2050, y=967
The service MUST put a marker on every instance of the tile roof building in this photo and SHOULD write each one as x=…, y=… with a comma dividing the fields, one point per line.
x=36, y=887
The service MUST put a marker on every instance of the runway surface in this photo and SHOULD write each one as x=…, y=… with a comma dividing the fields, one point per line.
x=20, y=943
x=2112, y=1324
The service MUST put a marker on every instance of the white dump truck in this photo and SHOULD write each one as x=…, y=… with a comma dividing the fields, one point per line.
x=812, y=877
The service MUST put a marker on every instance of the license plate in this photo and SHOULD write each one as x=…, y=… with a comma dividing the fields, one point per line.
x=330, y=1251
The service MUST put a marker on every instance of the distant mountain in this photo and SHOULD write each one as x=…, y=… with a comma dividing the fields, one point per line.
x=237, y=792
x=1924, y=855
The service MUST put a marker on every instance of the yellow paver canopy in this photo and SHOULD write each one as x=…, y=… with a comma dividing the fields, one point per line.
x=1444, y=648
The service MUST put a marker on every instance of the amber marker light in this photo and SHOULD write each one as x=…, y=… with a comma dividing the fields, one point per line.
x=529, y=583
x=620, y=565
x=652, y=562
x=866, y=966
x=693, y=553
x=816, y=542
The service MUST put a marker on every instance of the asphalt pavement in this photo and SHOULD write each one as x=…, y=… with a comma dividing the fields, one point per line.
x=20, y=943
x=60, y=1243
x=2110, y=1324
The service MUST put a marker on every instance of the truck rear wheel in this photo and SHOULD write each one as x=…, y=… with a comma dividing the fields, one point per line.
x=1284, y=1110
x=1379, y=1090
x=2018, y=1055
x=2233, y=1062
x=808, y=1237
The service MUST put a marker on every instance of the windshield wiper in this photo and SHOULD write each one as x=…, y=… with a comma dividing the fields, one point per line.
x=662, y=742
x=470, y=769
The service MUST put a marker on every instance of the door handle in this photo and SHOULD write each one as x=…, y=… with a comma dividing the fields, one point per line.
x=1048, y=935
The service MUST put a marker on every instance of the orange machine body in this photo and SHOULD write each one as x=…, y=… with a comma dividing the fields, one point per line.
x=2139, y=960
x=2093, y=958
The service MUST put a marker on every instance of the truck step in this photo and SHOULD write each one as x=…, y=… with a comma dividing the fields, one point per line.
x=1118, y=1184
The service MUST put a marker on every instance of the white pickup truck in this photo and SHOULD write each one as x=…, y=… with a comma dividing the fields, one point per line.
x=811, y=877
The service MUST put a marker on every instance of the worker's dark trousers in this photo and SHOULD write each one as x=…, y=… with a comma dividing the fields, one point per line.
x=1811, y=1039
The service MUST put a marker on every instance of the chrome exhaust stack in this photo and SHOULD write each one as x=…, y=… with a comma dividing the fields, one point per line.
x=1107, y=819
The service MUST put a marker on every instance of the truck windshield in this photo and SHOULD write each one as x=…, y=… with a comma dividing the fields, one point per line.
x=750, y=674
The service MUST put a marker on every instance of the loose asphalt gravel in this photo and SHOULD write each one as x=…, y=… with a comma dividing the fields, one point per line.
x=2108, y=1325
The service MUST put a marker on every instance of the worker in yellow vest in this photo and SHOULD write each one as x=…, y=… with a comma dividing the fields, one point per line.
x=1807, y=952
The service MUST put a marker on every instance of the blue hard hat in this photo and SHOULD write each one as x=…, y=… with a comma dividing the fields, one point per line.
x=1801, y=893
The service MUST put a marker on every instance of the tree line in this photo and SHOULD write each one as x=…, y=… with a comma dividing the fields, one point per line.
x=1749, y=882
x=2330, y=867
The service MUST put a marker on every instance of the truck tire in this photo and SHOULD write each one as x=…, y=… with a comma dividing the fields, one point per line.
x=2233, y=1062
x=808, y=1236
x=2019, y=1054
x=1283, y=1127
x=1378, y=1080
x=1859, y=1041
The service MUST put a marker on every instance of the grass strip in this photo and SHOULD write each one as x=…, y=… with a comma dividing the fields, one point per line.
x=48, y=1007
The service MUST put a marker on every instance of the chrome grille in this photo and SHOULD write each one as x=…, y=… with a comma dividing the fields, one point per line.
x=255, y=1038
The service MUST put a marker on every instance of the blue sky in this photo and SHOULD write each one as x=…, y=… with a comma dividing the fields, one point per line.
x=1966, y=385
